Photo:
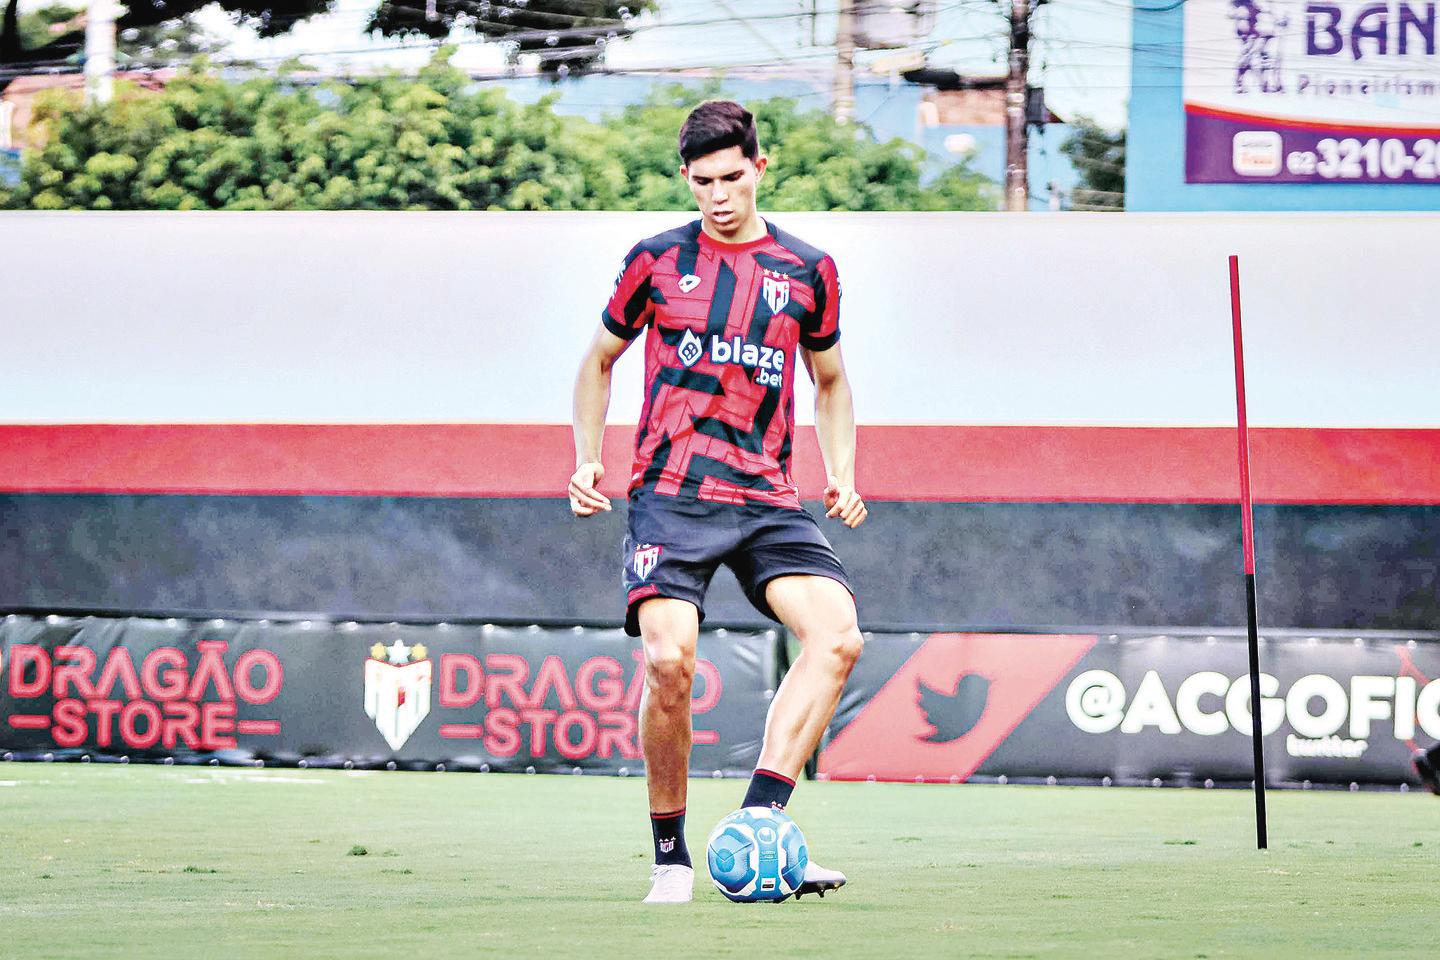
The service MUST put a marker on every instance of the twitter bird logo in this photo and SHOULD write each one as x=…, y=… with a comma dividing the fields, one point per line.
x=953, y=714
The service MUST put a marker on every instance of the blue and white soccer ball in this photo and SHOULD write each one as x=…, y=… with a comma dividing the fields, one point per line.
x=757, y=854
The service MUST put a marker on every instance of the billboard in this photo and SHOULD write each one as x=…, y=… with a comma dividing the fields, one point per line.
x=935, y=707
x=952, y=707
x=476, y=697
x=1285, y=91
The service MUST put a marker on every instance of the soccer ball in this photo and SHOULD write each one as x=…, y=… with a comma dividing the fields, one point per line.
x=757, y=854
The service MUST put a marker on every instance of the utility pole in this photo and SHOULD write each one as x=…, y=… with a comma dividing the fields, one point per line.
x=1017, y=174
x=100, y=50
x=844, y=96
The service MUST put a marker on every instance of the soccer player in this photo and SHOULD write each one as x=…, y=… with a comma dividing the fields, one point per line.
x=728, y=300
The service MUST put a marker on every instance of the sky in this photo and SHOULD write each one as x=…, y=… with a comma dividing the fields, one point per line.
x=1080, y=55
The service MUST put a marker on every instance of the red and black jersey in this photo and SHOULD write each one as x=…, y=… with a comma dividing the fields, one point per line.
x=724, y=318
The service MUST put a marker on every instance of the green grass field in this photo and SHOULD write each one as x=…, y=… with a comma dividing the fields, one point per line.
x=147, y=861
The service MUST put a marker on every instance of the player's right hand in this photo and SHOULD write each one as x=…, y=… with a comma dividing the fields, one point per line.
x=585, y=500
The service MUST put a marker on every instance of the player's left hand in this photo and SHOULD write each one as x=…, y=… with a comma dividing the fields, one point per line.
x=843, y=502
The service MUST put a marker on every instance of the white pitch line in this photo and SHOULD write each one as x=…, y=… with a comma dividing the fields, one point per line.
x=225, y=779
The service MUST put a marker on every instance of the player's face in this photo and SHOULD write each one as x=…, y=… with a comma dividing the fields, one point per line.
x=723, y=184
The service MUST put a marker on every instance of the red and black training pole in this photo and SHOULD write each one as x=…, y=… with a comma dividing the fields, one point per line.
x=1247, y=528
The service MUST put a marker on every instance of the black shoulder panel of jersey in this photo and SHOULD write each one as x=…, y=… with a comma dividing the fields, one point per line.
x=811, y=255
x=679, y=236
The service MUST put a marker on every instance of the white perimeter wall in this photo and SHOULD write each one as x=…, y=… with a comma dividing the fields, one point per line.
x=947, y=318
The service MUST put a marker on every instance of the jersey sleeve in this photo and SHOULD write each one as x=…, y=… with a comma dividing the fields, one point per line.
x=630, y=308
x=821, y=327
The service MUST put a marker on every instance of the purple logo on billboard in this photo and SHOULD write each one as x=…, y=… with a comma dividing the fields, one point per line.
x=1257, y=26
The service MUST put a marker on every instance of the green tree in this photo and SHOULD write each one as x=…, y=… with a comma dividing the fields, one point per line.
x=142, y=19
x=39, y=27
x=433, y=142
x=1099, y=154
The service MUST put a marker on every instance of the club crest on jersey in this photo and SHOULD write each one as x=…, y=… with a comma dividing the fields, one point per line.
x=776, y=288
x=646, y=556
x=690, y=350
x=688, y=282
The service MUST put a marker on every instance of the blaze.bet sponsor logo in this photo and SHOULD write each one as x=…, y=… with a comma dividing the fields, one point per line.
x=397, y=690
x=1325, y=718
x=690, y=349
x=768, y=363
x=162, y=701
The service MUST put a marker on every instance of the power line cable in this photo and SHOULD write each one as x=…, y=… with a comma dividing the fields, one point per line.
x=521, y=36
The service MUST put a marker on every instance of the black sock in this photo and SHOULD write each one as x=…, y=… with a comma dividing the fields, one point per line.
x=668, y=830
x=1433, y=755
x=768, y=789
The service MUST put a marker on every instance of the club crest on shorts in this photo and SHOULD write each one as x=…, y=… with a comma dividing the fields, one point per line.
x=776, y=288
x=646, y=556
x=397, y=690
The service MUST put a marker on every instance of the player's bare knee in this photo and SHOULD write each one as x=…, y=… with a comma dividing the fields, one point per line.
x=847, y=647
x=669, y=674
x=832, y=631
x=840, y=644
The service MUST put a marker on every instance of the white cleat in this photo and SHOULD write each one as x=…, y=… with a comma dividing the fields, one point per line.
x=818, y=880
x=673, y=883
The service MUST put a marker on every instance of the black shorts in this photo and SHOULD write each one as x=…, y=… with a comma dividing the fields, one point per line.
x=674, y=546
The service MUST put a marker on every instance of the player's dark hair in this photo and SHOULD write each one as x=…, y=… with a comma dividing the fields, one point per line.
x=718, y=125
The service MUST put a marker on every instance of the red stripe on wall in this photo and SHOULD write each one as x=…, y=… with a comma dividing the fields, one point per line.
x=462, y=731
x=1292, y=123
x=946, y=463
x=257, y=726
